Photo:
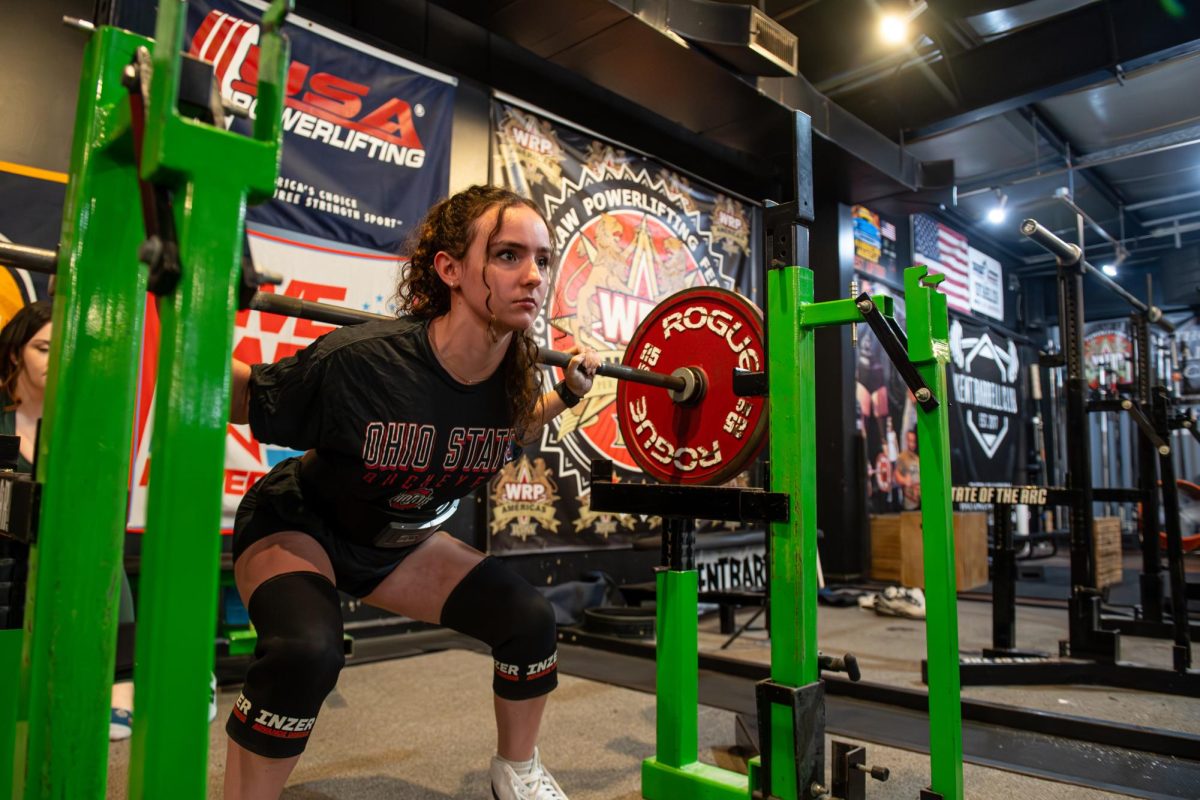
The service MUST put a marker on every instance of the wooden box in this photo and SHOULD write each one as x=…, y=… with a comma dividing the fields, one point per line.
x=897, y=555
x=885, y=548
x=1106, y=550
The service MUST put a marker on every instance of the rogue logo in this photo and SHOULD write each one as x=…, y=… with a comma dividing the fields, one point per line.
x=320, y=106
x=989, y=402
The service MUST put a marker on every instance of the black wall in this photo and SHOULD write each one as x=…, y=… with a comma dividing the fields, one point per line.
x=43, y=59
x=841, y=507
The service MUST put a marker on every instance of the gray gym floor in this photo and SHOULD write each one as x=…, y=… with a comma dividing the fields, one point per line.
x=421, y=727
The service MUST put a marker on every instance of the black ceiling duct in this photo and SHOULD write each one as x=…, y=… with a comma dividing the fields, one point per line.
x=740, y=35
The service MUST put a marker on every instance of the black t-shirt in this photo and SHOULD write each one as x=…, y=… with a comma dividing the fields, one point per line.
x=391, y=427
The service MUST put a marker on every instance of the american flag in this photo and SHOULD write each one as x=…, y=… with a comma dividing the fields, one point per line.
x=944, y=250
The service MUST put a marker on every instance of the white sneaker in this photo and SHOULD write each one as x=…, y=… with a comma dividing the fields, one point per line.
x=895, y=601
x=539, y=784
x=212, y=698
x=120, y=724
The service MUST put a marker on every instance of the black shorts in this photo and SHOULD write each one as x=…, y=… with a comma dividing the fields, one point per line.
x=278, y=503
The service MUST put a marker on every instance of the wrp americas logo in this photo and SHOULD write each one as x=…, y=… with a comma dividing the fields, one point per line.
x=984, y=383
x=320, y=106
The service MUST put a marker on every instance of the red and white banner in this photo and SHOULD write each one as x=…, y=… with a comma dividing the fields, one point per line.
x=313, y=270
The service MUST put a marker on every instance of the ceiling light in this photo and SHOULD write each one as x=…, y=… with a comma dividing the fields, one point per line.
x=999, y=212
x=893, y=25
x=1110, y=270
x=893, y=28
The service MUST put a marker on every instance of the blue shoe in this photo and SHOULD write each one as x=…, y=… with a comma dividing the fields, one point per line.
x=120, y=724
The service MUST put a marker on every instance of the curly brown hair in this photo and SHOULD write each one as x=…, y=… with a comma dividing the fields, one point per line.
x=450, y=226
x=16, y=334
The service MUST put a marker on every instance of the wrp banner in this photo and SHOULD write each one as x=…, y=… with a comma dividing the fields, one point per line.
x=628, y=231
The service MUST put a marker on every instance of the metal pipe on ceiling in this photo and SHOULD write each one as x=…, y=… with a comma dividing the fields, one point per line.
x=1098, y=158
x=1160, y=200
x=1150, y=222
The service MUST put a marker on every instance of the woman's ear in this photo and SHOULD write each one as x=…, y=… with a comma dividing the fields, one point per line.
x=448, y=268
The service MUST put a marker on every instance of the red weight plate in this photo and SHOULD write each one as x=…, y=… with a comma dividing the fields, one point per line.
x=713, y=330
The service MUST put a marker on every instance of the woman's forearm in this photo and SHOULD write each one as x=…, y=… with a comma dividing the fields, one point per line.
x=239, y=405
x=548, y=407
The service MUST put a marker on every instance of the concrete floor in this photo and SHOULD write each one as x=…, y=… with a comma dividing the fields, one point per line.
x=420, y=728
x=890, y=649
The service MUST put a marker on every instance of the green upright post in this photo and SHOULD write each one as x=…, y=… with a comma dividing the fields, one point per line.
x=210, y=172
x=793, y=546
x=10, y=691
x=676, y=677
x=928, y=349
x=676, y=771
x=61, y=745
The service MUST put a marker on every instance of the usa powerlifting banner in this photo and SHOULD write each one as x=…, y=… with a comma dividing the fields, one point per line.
x=366, y=152
x=628, y=231
x=366, y=139
x=988, y=399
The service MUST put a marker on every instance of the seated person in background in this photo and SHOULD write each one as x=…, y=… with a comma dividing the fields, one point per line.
x=24, y=361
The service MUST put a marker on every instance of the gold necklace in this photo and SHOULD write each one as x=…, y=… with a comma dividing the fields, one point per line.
x=445, y=364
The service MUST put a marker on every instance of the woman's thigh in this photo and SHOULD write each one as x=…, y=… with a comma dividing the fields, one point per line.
x=419, y=585
x=277, y=554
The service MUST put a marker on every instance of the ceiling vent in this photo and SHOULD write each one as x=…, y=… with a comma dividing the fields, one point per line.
x=741, y=35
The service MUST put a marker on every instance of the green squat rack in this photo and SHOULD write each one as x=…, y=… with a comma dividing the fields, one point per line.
x=139, y=139
x=791, y=711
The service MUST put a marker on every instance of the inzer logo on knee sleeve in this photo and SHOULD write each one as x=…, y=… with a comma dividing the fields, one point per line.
x=510, y=672
x=272, y=724
x=241, y=707
x=543, y=667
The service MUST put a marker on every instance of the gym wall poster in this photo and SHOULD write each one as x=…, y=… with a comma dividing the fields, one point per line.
x=629, y=231
x=886, y=419
x=974, y=283
x=989, y=405
x=366, y=153
x=987, y=382
x=876, y=245
x=1188, y=348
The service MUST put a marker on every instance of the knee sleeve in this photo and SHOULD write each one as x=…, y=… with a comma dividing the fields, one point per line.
x=296, y=663
x=495, y=605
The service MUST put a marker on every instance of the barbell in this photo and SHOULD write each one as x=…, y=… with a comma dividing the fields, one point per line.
x=698, y=431
x=323, y=312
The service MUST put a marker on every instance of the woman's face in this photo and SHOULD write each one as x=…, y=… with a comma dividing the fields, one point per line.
x=35, y=359
x=517, y=268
